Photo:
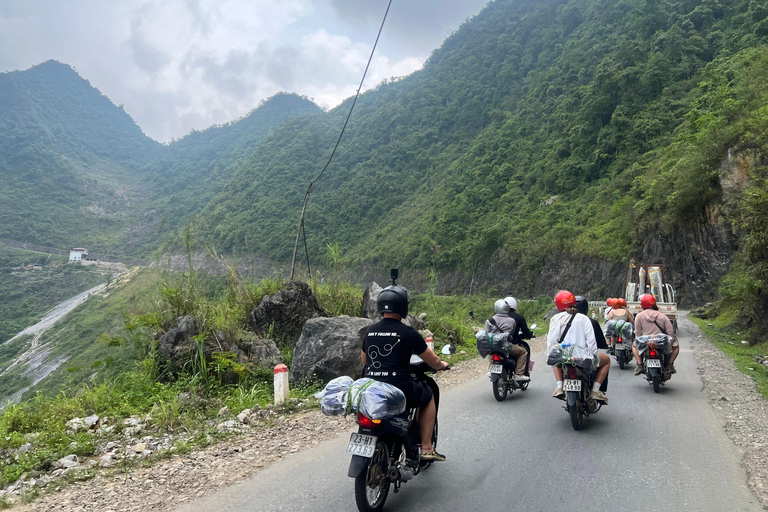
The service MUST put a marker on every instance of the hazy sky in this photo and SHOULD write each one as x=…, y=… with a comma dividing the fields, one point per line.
x=179, y=65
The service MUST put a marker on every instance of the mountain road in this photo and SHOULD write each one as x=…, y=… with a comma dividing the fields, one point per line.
x=643, y=451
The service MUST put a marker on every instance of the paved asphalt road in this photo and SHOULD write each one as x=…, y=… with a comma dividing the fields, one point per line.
x=643, y=452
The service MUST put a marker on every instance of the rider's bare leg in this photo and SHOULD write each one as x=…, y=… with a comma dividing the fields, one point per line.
x=675, y=353
x=426, y=420
x=558, y=373
x=637, y=356
x=603, y=368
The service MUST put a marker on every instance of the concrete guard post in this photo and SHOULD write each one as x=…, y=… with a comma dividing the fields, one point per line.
x=282, y=392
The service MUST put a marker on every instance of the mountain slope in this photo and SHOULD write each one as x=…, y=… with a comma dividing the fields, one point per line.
x=525, y=142
x=68, y=158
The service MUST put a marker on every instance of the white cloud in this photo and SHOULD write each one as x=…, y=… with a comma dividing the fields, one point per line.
x=179, y=65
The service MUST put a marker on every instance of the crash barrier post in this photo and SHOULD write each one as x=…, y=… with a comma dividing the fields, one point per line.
x=282, y=392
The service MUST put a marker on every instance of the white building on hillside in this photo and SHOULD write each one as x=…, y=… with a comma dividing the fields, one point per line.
x=78, y=254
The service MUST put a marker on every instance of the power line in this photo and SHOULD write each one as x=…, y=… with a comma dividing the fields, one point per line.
x=338, y=141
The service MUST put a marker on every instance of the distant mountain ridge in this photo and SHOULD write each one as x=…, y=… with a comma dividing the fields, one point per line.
x=541, y=146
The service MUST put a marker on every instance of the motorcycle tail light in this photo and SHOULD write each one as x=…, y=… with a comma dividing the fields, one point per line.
x=620, y=340
x=571, y=372
x=652, y=353
x=365, y=421
x=496, y=357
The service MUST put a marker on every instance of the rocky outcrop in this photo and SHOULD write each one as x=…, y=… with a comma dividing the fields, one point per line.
x=286, y=311
x=370, y=296
x=252, y=349
x=177, y=344
x=329, y=348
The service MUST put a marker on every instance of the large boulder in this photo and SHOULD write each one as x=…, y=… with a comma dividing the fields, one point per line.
x=370, y=296
x=329, y=348
x=250, y=348
x=286, y=311
x=177, y=344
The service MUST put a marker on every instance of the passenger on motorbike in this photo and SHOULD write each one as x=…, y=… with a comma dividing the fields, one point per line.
x=523, y=332
x=386, y=353
x=570, y=326
x=610, y=303
x=650, y=321
x=582, y=306
x=501, y=322
x=620, y=312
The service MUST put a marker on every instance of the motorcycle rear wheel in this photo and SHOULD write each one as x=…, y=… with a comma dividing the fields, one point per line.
x=501, y=386
x=656, y=383
x=620, y=357
x=577, y=415
x=372, y=486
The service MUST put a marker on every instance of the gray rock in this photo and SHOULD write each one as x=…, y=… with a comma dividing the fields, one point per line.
x=70, y=461
x=250, y=348
x=417, y=322
x=177, y=344
x=329, y=348
x=91, y=421
x=245, y=416
x=286, y=311
x=76, y=425
x=27, y=447
x=370, y=296
x=224, y=411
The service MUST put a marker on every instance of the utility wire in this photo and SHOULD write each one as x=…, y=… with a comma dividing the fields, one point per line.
x=311, y=183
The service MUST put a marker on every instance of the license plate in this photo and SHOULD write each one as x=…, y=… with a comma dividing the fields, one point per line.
x=619, y=346
x=572, y=385
x=495, y=368
x=653, y=363
x=362, y=445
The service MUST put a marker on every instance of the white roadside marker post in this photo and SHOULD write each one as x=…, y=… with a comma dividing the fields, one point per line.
x=282, y=392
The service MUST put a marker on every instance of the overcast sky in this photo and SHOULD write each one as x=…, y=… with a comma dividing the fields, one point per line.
x=179, y=65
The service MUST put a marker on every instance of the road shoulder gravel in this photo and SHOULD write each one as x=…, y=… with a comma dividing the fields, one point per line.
x=743, y=410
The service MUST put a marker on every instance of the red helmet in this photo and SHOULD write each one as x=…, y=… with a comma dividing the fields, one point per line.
x=647, y=301
x=564, y=299
x=609, y=302
x=621, y=303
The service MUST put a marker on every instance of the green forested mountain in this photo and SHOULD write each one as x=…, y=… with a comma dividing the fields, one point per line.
x=564, y=136
x=67, y=158
x=544, y=144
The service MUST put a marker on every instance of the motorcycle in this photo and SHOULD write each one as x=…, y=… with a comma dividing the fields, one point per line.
x=578, y=403
x=387, y=452
x=655, y=356
x=502, y=372
x=622, y=351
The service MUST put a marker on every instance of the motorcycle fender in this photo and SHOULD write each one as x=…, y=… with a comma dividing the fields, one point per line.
x=654, y=372
x=495, y=377
x=357, y=465
x=571, y=398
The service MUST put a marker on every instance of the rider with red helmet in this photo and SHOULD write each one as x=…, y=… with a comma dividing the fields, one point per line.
x=650, y=321
x=619, y=312
x=580, y=333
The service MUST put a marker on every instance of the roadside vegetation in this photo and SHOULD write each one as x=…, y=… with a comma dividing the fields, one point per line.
x=116, y=372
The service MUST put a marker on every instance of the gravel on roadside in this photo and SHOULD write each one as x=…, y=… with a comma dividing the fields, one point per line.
x=742, y=408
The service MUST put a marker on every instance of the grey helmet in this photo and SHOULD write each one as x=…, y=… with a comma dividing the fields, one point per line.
x=582, y=306
x=512, y=302
x=500, y=307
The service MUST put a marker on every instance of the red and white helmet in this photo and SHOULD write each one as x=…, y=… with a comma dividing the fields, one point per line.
x=647, y=301
x=564, y=299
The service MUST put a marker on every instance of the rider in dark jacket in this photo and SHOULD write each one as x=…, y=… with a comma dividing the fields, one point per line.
x=522, y=333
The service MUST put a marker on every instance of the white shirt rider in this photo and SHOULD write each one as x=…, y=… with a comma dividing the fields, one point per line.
x=581, y=334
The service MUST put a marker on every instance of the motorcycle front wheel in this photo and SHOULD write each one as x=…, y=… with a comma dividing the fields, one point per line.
x=501, y=386
x=372, y=485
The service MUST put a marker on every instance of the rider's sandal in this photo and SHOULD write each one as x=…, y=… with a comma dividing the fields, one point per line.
x=432, y=456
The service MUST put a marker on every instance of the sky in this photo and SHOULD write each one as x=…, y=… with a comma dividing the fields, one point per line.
x=182, y=65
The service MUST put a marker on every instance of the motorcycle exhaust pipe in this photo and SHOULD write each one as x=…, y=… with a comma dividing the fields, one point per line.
x=399, y=474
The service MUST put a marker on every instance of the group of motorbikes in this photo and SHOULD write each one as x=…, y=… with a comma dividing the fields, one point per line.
x=386, y=453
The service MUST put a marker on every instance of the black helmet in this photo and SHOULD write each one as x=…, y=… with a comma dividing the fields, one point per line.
x=582, y=306
x=394, y=299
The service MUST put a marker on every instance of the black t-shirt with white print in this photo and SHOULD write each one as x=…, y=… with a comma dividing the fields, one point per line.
x=388, y=346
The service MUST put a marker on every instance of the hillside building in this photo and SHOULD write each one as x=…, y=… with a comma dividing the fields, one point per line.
x=78, y=254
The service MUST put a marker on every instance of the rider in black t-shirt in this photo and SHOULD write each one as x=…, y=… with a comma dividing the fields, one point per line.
x=386, y=353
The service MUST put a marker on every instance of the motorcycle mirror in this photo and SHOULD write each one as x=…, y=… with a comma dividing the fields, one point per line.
x=533, y=326
x=393, y=275
x=446, y=349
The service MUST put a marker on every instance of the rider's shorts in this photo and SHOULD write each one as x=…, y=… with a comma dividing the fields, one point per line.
x=675, y=344
x=417, y=394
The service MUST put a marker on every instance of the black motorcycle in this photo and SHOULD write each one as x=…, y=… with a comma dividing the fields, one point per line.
x=655, y=357
x=502, y=370
x=578, y=402
x=387, y=452
x=622, y=349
